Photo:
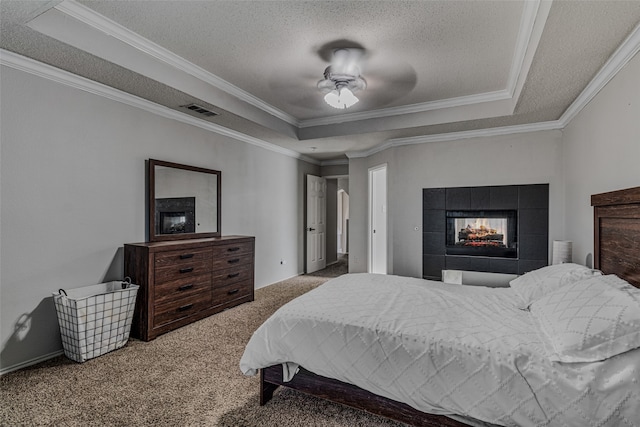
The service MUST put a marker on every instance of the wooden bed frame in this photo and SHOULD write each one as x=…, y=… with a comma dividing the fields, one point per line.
x=616, y=251
x=616, y=233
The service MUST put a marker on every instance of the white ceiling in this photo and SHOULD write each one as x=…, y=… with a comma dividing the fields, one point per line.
x=432, y=67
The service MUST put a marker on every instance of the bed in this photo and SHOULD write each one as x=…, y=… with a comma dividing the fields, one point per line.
x=433, y=354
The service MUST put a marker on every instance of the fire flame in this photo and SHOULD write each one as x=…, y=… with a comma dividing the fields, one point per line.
x=484, y=232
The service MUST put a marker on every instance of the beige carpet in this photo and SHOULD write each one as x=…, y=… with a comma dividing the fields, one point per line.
x=188, y=377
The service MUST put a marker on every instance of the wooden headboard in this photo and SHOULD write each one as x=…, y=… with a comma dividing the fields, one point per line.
x=616, y=217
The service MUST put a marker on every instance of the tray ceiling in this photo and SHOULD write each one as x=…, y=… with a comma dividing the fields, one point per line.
x=432, y=67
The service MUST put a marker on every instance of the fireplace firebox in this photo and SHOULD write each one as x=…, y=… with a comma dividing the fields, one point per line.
x=175, y=215
x=490, y=233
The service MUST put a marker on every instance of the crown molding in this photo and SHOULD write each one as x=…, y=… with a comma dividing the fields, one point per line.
x=408, y=109
x=101, y=23
x=623, y=54
x=57, y=75
x=523, y=40
x=453, y=136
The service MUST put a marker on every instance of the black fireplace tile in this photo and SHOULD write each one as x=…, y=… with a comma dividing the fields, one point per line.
x=458, y=198
x=433, y=198
x=533, y=221
x=479, y=198
x=501, y=265
x=467, y=263
x=434, y=220
x=432, y=266
x=533, y=247
x=433, y=243
x=479, y=264
x=533, y=196
x=531, y=200
x=504, y=197
x=525, y=266
x=457, y=263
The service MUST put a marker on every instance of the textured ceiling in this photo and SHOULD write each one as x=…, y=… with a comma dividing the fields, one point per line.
x=257, y=62
x=268, y=48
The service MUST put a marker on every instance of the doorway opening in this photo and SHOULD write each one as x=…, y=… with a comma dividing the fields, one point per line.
x=343, y=223
x=337, y=221
x=378, y=219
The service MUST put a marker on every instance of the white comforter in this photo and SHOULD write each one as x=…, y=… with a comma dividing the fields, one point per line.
x=443, y=349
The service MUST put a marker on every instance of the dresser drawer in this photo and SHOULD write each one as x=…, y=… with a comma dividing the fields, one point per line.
x=232, y=275
x=180, y=308
x=232, y=261
x=181, y=288
x=182, y=256
x=232, y=292
x=232, y=249
x=182, y=270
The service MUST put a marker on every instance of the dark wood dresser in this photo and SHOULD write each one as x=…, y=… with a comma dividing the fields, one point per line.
x=182, y=281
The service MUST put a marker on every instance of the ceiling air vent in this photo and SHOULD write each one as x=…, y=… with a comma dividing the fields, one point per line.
x=200, y=110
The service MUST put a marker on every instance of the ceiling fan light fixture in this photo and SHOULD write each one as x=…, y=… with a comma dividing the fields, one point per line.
x=341, y=80
x=341, y=98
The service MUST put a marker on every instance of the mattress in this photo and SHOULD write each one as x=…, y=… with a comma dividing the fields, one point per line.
x=443, y=349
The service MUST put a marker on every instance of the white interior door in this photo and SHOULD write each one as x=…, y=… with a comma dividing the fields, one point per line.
x=378, y=219
x=316, y=223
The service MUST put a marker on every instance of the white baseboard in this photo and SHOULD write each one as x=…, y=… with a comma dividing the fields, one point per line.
x=36, y=360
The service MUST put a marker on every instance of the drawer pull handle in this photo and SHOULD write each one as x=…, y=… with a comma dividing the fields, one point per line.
x=231, y=276
x=237, y=248
x=185, y=287
x=185, y=307
x=186, y=256
x=233, y=261
x=186, y=270
x=234, y=291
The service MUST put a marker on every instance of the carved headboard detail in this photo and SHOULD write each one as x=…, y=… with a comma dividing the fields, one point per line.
x=616, y=217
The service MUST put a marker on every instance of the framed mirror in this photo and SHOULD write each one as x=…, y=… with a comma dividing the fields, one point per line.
x=184, y=201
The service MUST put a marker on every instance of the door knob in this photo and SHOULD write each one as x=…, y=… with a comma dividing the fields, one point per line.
x=311, y=229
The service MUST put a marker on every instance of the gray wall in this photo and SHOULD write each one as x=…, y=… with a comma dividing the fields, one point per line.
x=532, y=158
x=73, y=192
x=343, y=184
x=334, y=170
x=601, y=152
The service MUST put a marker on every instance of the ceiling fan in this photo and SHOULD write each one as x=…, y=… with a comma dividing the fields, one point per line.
x=377, y=77
x=342, y=78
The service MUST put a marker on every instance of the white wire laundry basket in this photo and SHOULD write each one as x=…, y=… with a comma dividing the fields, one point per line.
x=96, y=319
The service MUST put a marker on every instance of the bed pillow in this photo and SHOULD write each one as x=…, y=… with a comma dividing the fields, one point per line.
x=535, y=284
x=589, y=320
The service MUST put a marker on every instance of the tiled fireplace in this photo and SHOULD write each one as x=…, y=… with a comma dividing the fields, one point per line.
x=501, y=229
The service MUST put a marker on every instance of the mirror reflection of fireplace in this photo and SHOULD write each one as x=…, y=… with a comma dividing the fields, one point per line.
x=176, y=215
x=482, y=233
